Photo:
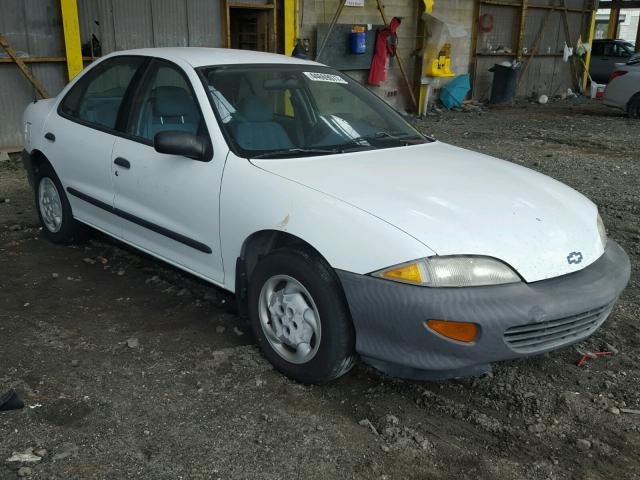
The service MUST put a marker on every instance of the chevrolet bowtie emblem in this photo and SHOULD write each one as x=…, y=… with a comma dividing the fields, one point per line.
x=574, y=258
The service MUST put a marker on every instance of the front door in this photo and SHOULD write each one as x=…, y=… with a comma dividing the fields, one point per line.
x=169, y=202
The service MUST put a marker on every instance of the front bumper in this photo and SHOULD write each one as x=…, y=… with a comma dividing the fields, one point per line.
x=391, y=333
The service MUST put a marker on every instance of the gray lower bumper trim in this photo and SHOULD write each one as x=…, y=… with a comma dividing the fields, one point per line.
x=390, y=317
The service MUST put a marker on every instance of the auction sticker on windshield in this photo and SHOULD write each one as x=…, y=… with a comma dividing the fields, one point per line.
x=324, y=77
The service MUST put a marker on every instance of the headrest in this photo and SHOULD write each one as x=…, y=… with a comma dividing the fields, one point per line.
x=172, y=102
x=255, y=109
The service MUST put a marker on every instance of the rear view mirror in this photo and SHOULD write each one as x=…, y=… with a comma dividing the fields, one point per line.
x=184, y=144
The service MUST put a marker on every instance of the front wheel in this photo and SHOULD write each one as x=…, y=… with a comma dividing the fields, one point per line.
x=300, y=318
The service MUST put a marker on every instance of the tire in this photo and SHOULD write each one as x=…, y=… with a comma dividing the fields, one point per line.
x=634, y=106
x=330, y=351
x=56, y=217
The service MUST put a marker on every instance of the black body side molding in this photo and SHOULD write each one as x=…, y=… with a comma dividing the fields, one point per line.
x=142, y=222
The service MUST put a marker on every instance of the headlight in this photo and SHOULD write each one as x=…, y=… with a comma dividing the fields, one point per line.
x=602, y=231
x=454, y=271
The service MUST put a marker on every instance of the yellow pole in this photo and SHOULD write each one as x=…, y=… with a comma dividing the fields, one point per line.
x=587, y=59
x=614, y=19
x=71, y=28
x=290, y=25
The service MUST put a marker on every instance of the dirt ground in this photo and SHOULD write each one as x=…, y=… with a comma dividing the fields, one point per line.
x=131, y=369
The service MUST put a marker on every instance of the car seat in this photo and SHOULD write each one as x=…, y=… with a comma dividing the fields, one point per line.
x=255, y=128
x=169, y=109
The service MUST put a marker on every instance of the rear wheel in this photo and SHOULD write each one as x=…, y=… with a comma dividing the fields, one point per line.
x=300, y=318
x=634, y=106
x=54, y=211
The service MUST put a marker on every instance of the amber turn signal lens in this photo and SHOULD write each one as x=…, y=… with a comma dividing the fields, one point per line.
x=460, y=331
x=407, y=273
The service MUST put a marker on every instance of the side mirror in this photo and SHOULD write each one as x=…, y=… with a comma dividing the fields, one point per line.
x=182, y=143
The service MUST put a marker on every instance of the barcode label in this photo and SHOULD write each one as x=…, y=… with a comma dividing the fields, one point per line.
x=324, y=77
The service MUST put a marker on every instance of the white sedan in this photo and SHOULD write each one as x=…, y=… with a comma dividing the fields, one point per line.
x=341, y=229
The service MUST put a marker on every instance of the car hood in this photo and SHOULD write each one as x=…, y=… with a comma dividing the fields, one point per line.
x=459, y=202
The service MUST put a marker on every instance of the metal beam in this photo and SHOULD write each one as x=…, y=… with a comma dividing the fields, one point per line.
x=26, y=71
x=508, y=3
x=523, y=26
x=44, y=59
x=71, y=29
x=536, y=44
x=614, y=21
x=567, y=33
x=626, y=4
x=587, y=60
x=290, y=25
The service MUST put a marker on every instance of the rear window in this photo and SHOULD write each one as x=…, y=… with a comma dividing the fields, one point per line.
x=97, y=97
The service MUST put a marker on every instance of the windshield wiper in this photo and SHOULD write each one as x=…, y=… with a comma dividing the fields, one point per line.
x=403, y=138
x=292, y=152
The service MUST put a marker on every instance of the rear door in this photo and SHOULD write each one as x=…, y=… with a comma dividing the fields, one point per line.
x=169, y=203
x=599, y=61
x=80, y=138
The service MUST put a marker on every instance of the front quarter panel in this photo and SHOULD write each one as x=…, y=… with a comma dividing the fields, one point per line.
x=350, y=239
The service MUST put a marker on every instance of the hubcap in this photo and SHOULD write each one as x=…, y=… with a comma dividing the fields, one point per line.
x=50, y=205
x=289, y=319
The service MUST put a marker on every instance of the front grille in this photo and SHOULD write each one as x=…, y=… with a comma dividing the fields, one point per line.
x=534, y=337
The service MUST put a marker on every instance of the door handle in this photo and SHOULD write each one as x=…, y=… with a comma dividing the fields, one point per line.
x=122, y=162
x=50, y=136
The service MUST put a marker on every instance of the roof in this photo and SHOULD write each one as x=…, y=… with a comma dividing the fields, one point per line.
x=201, y=56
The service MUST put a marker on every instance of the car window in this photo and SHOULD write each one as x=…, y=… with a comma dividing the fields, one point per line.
x=164, y=103
x=621, y=51
x=598, y=48
x=609, y=49
x=97, y=97
x=273, y=110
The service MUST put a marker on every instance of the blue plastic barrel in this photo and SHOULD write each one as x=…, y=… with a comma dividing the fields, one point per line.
x=358, y=43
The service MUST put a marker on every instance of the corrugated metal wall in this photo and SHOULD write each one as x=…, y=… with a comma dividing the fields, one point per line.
x=547, y=74
x=124, y=24
x=33, y=28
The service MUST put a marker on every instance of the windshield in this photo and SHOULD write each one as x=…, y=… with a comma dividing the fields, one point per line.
x=272, y=111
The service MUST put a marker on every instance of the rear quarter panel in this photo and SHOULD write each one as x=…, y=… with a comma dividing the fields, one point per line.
x=621, y=89
x=33, y=121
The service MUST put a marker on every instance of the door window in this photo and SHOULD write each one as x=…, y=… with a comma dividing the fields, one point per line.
x=165, y=103
x=609, y=49
x=621, y=51
x=97, y=97
x=597, y=49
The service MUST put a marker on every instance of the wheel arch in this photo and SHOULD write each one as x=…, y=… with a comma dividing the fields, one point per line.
x=256, y=246
x=635, y=98
x=33, y=163
x=38, y=159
